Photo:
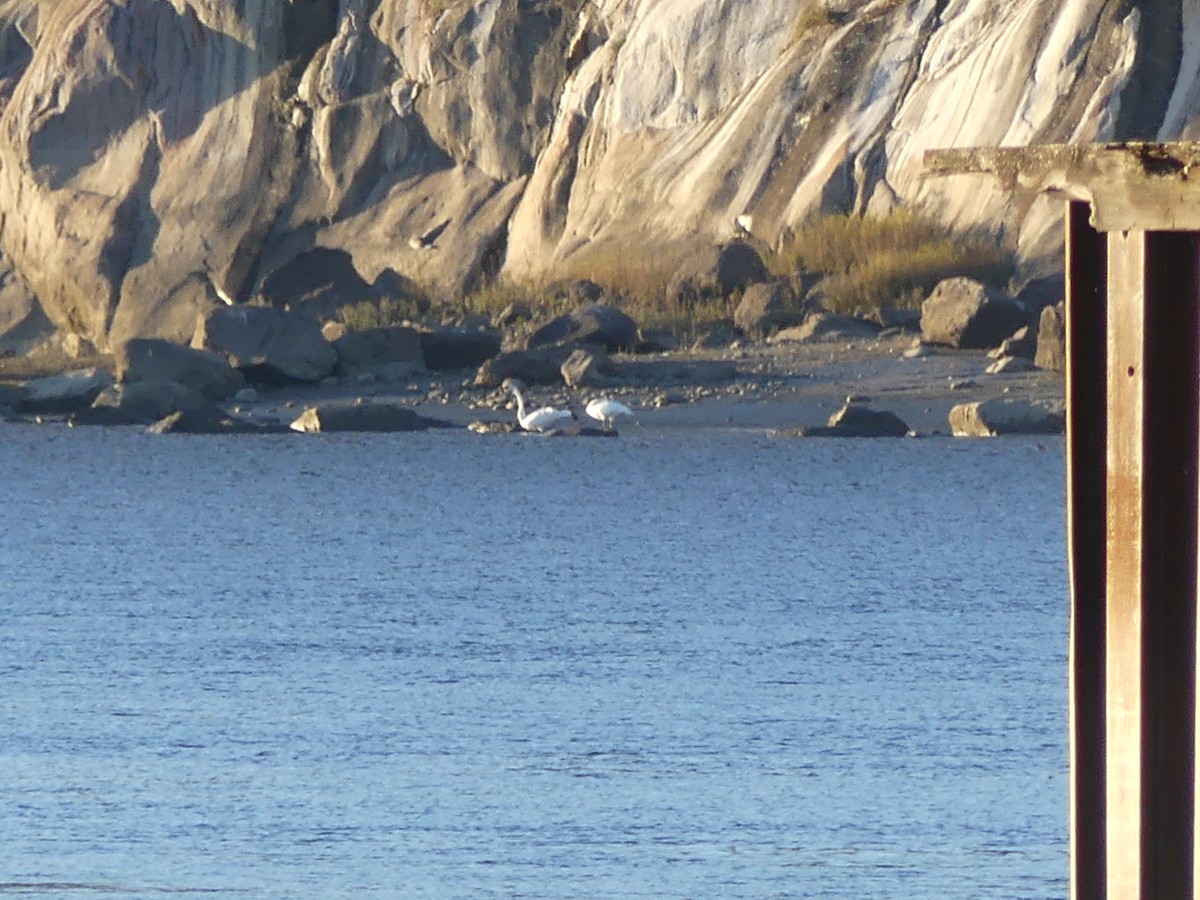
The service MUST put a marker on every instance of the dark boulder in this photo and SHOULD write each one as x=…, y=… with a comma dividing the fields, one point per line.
x=856, y=420
x=451, y=349
x=603, y=326
x=152, y=359
x=542, y=366
x=716, y=273
x=379, y=349
x=269, y=346
x=366, y=417
x=768, y=306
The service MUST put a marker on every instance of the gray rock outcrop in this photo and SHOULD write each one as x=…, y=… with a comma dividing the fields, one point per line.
x=189, y=154
x=154, y=360
x=452, y=349
x=65, y=393
x=857, y=420
x=367, y=417
x=990, y=418
x=824, y=326
x=604, y=326
x=268, y=345
x=390, y=351
x=768, y=306
x=1052, y=340
x=961, y=312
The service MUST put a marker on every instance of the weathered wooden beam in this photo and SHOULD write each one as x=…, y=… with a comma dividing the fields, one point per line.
x=1087, y=426
x=1131, y=186
x=1133, y=388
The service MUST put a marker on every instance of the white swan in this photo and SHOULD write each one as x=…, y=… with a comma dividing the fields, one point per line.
x=605, y=409
x=545, y=419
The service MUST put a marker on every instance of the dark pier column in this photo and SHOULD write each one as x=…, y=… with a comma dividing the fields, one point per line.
x=1133, y=389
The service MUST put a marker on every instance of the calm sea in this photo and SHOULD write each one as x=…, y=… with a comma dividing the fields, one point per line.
x=688, y=664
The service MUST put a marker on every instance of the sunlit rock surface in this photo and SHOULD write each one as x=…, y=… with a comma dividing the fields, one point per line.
x=159, y=158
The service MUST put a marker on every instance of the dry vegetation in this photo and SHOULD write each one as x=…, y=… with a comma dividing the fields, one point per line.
x=894, y=261
x=865, y=264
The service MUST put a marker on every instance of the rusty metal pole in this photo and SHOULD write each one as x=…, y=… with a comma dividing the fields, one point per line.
x=1133, y=440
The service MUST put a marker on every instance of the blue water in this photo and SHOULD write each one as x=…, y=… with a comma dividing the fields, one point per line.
x=694, y=664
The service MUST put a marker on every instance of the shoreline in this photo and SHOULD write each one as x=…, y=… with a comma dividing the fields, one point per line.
x=777, y=387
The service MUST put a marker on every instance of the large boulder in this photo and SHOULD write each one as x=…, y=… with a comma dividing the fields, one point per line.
x=144, y=402
x=542, y=366
x=366, y=417
x=64, y=393
x=587, y=367
x=768, y=306
x=714, y=273
x=1052, y=339
x=604, y=326
x=452, y=349
x=856, y=420
x=154, y=359
x=989, y=418
x=962, y=312
x=269, y=346
x=387, y=350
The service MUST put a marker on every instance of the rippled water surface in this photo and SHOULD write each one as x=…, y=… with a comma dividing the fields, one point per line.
x=682, y=665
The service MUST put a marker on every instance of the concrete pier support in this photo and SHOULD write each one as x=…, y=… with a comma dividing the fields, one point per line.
x=1133, y=390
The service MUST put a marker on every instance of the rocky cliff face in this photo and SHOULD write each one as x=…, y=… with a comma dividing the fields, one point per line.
x=160, y=157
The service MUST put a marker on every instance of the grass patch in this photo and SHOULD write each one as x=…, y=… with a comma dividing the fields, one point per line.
x=384, y=313
x=890, y=262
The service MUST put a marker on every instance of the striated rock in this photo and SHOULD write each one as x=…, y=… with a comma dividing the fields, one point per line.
x=1052, y=339
x=367, y=417
x=990, y=418
x=603, y=326
x=961, y=312
x=57, y=394
x=153, y=359
x=189, y=154
x=269, y=346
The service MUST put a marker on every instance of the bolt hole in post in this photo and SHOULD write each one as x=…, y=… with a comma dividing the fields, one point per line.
x=1130, y=371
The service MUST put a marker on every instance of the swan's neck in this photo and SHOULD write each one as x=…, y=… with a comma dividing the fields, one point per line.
x=520, y=406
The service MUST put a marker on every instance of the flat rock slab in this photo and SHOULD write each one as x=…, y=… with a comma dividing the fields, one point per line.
x=367, y=417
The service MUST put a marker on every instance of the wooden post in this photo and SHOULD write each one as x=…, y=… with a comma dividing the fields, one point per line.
x=1133, y=438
